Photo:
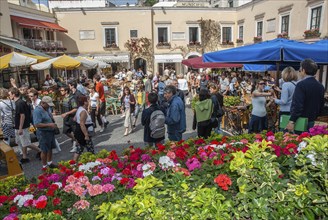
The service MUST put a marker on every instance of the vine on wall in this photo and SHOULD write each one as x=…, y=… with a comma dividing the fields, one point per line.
x=141, y=48
x=210, y=35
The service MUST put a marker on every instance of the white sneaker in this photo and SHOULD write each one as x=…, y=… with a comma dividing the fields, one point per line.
x=73, y=150
x=101, y=130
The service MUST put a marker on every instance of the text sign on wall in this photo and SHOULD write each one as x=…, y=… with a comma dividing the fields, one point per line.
x=192, y=4
x=271, y=27
x=87, y=35
x=178, y=36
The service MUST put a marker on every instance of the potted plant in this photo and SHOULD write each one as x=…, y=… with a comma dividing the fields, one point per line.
x=283, y=35
x=313, y=33
x=240, y=41
x=163, y=45
x=257, y=39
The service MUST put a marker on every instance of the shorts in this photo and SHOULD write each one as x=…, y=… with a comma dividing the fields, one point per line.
x=102, y=109
x=23, y=140
x=47, y=140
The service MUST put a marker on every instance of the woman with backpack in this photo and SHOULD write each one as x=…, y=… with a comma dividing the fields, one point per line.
x=204, y=118
x=7, y=112
x=153, y=120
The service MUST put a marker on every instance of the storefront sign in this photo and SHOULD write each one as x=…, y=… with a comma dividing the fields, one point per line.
x=193, y=4
x=168, y=58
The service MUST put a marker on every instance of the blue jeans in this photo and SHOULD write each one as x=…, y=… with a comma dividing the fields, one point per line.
x=218, y=129
x=177, y=136
x=257, y=124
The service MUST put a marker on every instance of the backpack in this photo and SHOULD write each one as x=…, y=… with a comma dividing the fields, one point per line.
x=157, y=124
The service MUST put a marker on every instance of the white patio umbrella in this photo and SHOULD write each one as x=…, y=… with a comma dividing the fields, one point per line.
x=16, y=60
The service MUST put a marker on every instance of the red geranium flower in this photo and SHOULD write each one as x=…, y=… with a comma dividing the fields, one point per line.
x=124, y=181
x=113, y=155
x=78, y=174
x=223, y=181
x=153, y=152
x=72, y=162
x=54, y=187
x=56, y=201
x=58, y=212
x=214, y=142
x=199, y=141
x=3, y=199
x=41, y=204
x=218, y=162
x=126, y=172
x=13, y=209
x=181, y=153
x=270, y=133
x=50, y=193
x=180, y=142
x=160, y=147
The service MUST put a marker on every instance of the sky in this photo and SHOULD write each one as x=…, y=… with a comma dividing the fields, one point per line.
x=41, y=1
x=118, y=2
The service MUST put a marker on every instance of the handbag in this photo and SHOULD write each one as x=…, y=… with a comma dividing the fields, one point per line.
x=300, y=125
x=56, y=131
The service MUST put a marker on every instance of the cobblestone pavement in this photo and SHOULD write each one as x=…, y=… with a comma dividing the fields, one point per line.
x=111, y=139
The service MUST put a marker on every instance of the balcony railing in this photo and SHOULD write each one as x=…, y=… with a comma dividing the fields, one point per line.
x=44, y=45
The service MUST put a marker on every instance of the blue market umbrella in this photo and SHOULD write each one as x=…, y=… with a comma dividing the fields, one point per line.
x=317, y=51
x=267, y=67
x=274, y=52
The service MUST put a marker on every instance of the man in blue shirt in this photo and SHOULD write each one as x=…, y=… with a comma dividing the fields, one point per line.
x=175, y=114
x=45, y=125
x=308, y=98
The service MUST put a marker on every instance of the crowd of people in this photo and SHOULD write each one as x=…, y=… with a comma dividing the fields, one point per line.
x=162, y=101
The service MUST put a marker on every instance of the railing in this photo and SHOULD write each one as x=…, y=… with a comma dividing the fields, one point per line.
x=44, y=45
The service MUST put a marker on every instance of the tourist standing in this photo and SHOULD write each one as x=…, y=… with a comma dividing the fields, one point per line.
x=140, y=103
x=94, y=107
x=84, y=128
x=45, y=125
x=146, y=119
x=258, y=120
x=175, y=114
x=69, y=108
x=203, y=114
x=7, y=112
x=217, y=100
x=308, y=99
x=289, y=76
x=22, y=124
x=129, y=102
x=101, y=93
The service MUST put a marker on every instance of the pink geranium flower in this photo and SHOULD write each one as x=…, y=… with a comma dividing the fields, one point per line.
x=81, y=204
x=193, y=163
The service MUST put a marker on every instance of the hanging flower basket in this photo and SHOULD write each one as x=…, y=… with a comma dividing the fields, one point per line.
x=163, y=45
x=239, y=41
x=283, y=35
x=313, y=33
x=258, y=39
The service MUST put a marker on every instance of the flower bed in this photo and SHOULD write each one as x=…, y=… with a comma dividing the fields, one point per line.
x=262, y=176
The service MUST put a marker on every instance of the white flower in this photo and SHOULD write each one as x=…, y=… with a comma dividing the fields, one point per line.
x=88, y=166
x=146, y=170
x=312, y=158
x=301, y=146
x=166, y=162
x=59, y=184
x=20, y=200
